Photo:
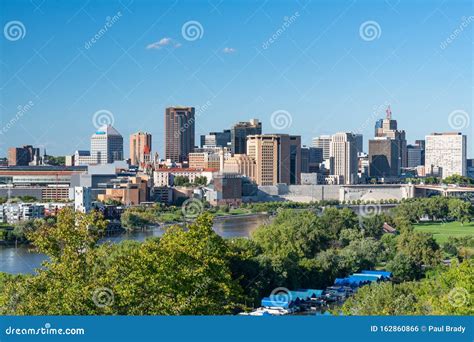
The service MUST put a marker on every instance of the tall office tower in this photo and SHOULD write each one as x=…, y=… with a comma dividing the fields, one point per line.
x=324, y=142
x=218, y=139
x=304, y=159
x=383, y=157
x=22, y=156
x=389, y=129
x=416, y=156
x=106, y=145
x=239, y=133
x=277, y=158
x=446, y=152
x=140, y=148
x=343, y=152
x=179, y=133
x=359, y=142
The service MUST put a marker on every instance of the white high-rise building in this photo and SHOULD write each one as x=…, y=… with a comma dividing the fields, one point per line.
x=82, y=199
x=446, y=152
x=107, y=145
x=106, y=148
x=324, y=142
x=343, y=153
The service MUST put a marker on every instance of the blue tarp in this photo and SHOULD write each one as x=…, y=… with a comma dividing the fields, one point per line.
x=269, y=302
x=341, y=281
x=384, y=274
x=357, y=279
x=306, y=294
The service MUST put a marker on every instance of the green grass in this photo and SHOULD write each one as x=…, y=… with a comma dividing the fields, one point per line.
x=441, y=231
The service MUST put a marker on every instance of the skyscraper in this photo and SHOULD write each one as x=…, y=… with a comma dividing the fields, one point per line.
x=106, y=145
x=446, y=152
x=239, y=133
x=343, y=152
x=359, y=142
x=179, y=133
x=140, y=148
x=218, y=139
x=277, y=158
x=389, y=129
x=383, y=158
x=416, y=156
x=324, y=142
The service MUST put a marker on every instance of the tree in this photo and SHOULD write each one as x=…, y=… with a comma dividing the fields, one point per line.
x=186, y=271
x=448, y=292
x=420, y=247
x=459, y=210
x=405, y=268
x=292, y=234
x=181, y=181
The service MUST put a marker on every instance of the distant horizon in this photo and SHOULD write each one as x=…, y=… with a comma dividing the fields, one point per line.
x=304, y=68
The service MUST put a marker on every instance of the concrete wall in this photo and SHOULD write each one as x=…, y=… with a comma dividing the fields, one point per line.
x=375, y=192
x=308, y=193
x=298, y=193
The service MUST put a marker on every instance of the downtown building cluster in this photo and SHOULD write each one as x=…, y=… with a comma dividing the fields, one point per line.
x=239, y=163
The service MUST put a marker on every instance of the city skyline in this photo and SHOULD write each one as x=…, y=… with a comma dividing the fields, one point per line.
x=66, y=82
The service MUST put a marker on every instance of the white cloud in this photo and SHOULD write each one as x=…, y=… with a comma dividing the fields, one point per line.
x=163, y=42
x=229, y=50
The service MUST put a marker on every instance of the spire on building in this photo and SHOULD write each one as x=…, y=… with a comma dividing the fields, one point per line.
x=389, y=113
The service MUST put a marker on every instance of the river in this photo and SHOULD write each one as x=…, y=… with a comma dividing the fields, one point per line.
x=24, y=260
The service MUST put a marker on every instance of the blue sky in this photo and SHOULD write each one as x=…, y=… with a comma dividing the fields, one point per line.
x=321, y=69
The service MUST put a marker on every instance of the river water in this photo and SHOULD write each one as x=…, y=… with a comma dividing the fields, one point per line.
x=24, y=260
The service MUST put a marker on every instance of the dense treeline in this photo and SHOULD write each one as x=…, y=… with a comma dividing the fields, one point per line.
x=192, y=270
